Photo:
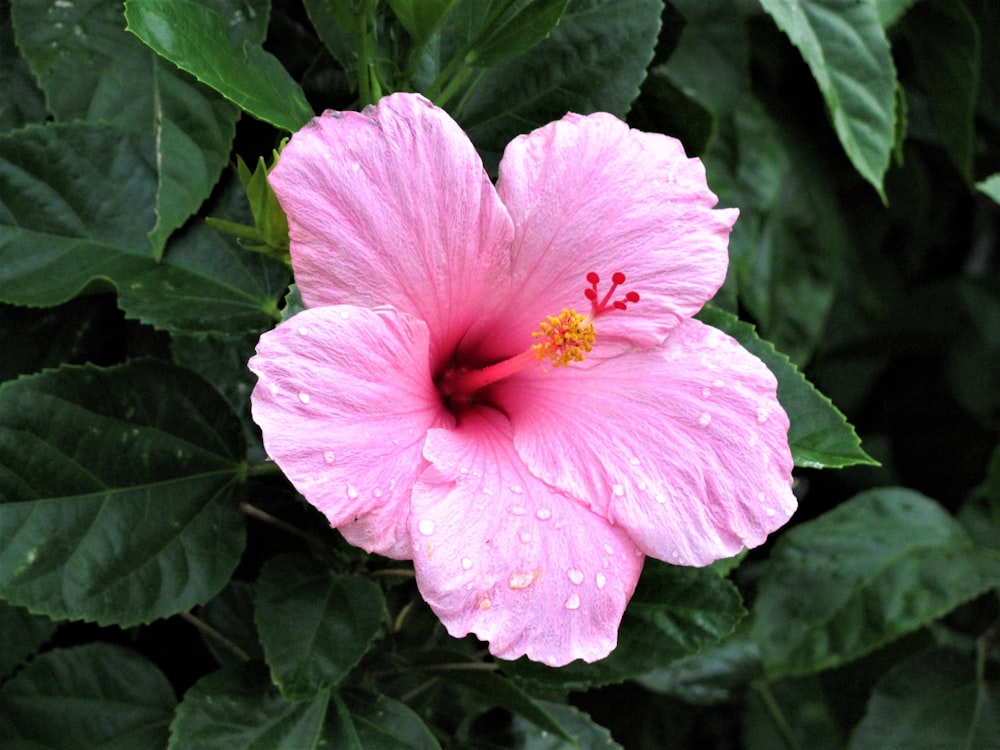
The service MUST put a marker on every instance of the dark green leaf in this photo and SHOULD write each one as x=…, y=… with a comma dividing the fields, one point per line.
x=22, y=102
x=365, y=721
x=931, y=701
x=421, y=18
x=119, y=490
x=512, y=28
x=846, y=49
x=594, y=60
x=871, y=570
x=586, y=735
x=890, y=11
x=945, y=41
x=70, y=224
x=195, y=38
x=91, y=697
x=238, y=707
x=90, y=68
x=819, y=435
x=23, y=634
x=675, y=612
x=314, y=625
x=231, y=613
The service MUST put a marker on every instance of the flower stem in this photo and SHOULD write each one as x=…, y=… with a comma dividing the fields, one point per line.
x=215, y=635
x=776, y=714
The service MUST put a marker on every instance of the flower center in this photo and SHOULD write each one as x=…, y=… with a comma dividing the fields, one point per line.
x=562, y=339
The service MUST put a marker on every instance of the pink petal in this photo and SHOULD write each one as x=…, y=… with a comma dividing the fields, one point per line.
x=500, y=554
x=589, y=194
x=391, y=206
x=685, y=445
x=344, y=399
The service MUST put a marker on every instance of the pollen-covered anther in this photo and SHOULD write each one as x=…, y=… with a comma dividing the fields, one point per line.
x=607, y=304
x=564, y=339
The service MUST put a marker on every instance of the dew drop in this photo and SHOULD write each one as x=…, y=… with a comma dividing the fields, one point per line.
x=274, y=389
x=706, y=393
x=661, y=498
x=705, y=419
x=329, y=457
x=525, y=537
x=762, y=415
x=345, y=314
x=573, y=602
x=609, y=549
x=377, y=492
x=641, y=486
x=426, y=527
x=466, y=563
x=488, y=491
x=518, y=510
x=352, y=492
x=303, y=331
x=761, y=497
x=521, y=579
x=485, y=604
x=770, y=512
x=516, y=489
x=718, y=384
x=576, y=576
x=304, y=397
x=634, y=461
x=543, y=514
x=601, y=580
x=619, y=490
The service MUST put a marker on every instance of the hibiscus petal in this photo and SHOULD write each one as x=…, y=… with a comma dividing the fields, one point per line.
x=684, y=445
x=344, y=399
x=590, y=194
x=391, y=206
x=501, y=554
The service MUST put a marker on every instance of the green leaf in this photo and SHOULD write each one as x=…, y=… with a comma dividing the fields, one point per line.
x=991, y=187
x=22, y=102
x=931, y=701
x=69, y=225
x=23, y=634
x=819, y=435
x=846, y=49
x=85, y=698
x=194, y=37
x=513, y=27
x=366, y=721
x=501, y=691
x=421, y=18
x=890, y=11
x=90, y=68
x=144, y=454
x=586, y=735
x=873, y=569
x=593, y=61
x=946, y=58
x=675, y=612
x=238, y=707
x=314, y=625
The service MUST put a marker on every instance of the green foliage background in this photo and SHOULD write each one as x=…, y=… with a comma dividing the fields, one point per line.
x=162, y=586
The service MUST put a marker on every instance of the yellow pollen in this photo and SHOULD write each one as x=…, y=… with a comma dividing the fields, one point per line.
x=564, y=339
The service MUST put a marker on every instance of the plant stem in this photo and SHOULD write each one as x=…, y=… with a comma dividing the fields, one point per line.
x=262, y=515
x=776, y=714
x=215, y=635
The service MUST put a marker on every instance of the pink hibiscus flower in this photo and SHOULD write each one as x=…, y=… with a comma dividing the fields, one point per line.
x=442, y=399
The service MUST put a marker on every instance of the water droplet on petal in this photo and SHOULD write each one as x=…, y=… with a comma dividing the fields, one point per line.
x=303, y=331
x=573, y=602
x=426, y=527
x=485, y=604
x=543, y=514
x=762, y=415
x=466, y=563
x=345, y=314
x=718, y=384
x=488, y=491
x=706, y=393
x=576, y=576
x=377, y=492
x=521, y=579
x=352, y=492
x=609, y=549
x=770, y=512
x=274, y=389
x=761, y=497
x=634, y=461
x=518, y=510
x=619, y=490
x=329, y=457
x=601, y=580
x=705, y=419
x=525, y=537
x=304, y=397
x=516, y=489
x=661, y=498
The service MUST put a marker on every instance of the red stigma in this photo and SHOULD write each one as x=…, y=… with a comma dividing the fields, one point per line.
x=606, y=305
